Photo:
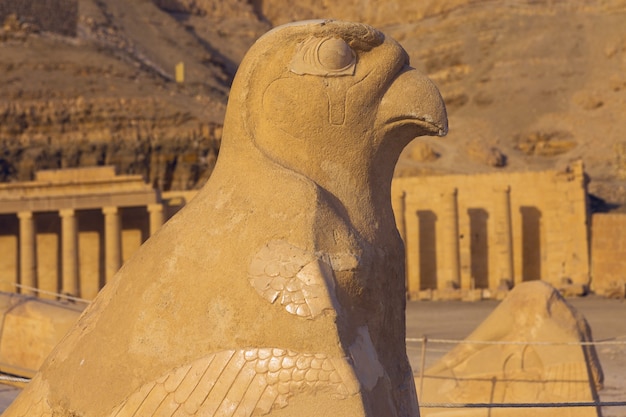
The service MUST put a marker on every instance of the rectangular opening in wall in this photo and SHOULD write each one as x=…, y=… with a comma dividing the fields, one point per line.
x=427, y=221
x=48, y=244
x=531, y=243
x=479, y=246
x=135, y=229
x=9, y=262
x=90, y=252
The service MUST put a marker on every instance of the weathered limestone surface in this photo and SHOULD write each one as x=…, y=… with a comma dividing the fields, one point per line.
x=279, y=289
x=608, y=246
x=30, y=330
x=69, y=230
x=512, y=227
x=520, y=373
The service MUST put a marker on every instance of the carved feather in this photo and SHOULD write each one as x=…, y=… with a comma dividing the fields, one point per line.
x=302, y=282
x=239, y=383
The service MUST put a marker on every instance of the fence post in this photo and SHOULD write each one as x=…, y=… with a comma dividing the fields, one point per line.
x=423, y=364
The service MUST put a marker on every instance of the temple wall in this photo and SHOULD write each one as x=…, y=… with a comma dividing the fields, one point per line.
x=8, y=253
x=460, y=231
x=91, y=257
x=517, y=227
x=608, y=251
x=90, y=253
x=68, y=231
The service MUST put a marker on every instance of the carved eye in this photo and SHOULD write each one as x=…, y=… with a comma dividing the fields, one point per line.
x=335, y=54
x=328, y=57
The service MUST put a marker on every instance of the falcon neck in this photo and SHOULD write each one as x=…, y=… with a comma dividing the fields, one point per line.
x=366, y=202
x=361, y=192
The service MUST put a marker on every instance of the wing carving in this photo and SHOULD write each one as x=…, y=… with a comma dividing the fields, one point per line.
x=239, y=383
x=302, y=282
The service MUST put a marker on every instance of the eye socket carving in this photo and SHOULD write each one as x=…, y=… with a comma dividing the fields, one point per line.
x=335, y=54
x=328, y=57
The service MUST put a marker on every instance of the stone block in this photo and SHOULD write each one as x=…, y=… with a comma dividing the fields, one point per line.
x=30, y=330
x=527, y=358
x=572, y=289
x=613, y=289
x=607, y=253
x=425, y=295
x=472, y=295
x=447, y=294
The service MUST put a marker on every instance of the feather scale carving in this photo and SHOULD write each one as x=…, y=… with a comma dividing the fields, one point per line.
x=239, y=383
x=300, y=281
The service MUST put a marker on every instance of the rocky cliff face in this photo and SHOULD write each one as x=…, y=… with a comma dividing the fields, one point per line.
x=528, y=84
x=108, y=97
x=58, y=16
x=165, y=145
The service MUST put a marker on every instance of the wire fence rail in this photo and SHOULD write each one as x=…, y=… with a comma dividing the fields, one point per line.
x=52, y=293
x=524, y=405
x=11, y=378
x=424, y=340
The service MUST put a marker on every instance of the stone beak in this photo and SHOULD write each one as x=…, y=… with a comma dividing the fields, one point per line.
x=412, y=101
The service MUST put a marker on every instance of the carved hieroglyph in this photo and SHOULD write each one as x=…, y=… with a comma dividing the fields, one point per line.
x=279, y=289
x=541, y=363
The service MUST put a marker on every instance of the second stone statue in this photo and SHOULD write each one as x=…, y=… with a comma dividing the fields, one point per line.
x=280, y=288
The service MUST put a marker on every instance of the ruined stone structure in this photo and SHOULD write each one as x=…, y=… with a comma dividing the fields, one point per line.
x=60, y=16
x=488, y=231
x=608, y=246
x=30, y=329
x=68, y=231
x=530, y=355
x=452, y=236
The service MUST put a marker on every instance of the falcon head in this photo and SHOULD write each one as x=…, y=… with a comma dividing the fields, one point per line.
x=330, y=99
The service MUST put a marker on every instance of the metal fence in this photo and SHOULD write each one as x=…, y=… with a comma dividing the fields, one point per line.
x=425, y=341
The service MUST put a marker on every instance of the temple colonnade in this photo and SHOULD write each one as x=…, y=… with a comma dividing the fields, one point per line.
x=69, y=231
x=492, y=231
x=49, y=225
x=69, y=247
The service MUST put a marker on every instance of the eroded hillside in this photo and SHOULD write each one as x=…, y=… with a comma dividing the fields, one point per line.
x=528, y=85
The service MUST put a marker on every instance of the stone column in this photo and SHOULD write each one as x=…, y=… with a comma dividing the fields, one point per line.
x=451, y=255
x=28, y=252
x=156, y=217
x=69, y=246
x=412, y=248
x=112, y=242
x=505, y=236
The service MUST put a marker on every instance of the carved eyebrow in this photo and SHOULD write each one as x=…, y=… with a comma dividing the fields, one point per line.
x=328, y=57
x=358, y=35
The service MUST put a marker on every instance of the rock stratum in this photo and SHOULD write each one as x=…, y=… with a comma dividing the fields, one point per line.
x=529, y=85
